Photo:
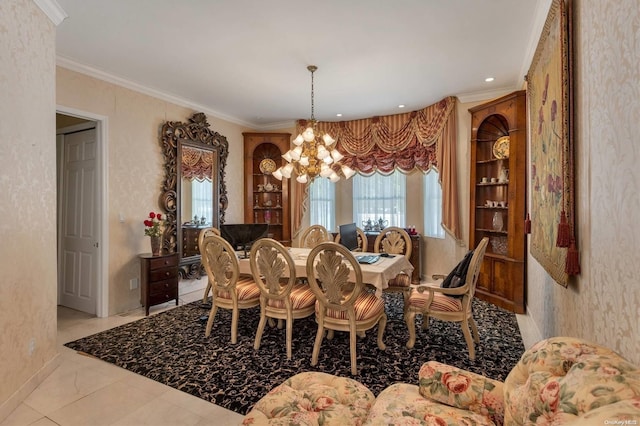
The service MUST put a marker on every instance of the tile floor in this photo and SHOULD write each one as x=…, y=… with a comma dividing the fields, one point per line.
x=86, y=391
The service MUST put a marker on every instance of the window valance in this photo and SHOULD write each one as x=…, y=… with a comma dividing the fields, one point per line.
x=419, y=139
x=197, y=164
x=384, y=143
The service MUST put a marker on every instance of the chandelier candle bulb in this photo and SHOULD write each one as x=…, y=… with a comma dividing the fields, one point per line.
x=312, y=155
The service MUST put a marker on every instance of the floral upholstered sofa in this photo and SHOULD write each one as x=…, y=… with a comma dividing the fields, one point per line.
x=559, y=381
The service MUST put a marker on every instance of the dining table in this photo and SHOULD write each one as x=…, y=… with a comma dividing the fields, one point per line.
x=376, y=274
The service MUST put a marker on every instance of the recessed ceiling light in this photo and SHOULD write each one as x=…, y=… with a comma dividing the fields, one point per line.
x=338, y=115
x=489, y=79
x=401, y=106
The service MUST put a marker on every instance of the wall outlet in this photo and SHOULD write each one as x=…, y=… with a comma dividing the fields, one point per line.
x=133, y=283
x=32, y=346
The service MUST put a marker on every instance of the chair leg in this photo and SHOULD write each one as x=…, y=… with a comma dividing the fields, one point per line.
x=234, y=325
x=382, y=325
x=405, y=307
x=474, y=329
x=206, y=292
x=316, y=345
x=289, y=334
x=261, y=324
x=212, y=315
x=467, y=337
x=352, y=347
x=425, y=321
x=410, y=319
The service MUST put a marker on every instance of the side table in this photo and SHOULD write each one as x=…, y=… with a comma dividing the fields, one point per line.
x=158, y=279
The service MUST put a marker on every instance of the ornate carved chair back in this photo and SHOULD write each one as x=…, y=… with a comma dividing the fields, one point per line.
x=314, y=235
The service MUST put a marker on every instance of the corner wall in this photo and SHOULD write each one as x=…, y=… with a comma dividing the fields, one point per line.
x=603, y=303
x=27, y=200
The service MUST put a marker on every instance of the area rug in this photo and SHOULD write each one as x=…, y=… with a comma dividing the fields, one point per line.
x=170, y=347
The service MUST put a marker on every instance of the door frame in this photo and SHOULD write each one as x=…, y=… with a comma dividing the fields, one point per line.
x=101, y=125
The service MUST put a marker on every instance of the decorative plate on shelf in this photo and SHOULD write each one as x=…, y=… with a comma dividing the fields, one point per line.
x=501, y=147
x=267, y=166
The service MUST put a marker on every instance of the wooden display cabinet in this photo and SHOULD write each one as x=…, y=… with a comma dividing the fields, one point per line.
x=498, y=198
x=267, y=198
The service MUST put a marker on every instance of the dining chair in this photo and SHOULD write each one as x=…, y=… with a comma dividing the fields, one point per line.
x=205, y=232
x=342, y=303
x=282, y=297
x=449, y=303
x=229, y=289
x=362, y=239
x=314, y=235
x=394, y=240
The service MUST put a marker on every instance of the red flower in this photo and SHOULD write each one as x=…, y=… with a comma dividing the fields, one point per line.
x=152, y=215
x=159, y=216
x=323, y=403
x=550, y=394
x=456, y=383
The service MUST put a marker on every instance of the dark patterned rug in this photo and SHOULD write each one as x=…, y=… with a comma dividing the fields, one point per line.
x=170, y=348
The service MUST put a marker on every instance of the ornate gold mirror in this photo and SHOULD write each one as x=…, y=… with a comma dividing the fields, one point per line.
x=194, y=192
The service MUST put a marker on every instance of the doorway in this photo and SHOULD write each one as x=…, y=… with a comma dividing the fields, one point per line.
x=82, y=228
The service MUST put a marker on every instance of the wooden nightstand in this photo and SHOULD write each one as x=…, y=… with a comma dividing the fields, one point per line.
x=158, y=279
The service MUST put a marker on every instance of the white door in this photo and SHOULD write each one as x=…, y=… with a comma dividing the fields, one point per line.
x=78, y=230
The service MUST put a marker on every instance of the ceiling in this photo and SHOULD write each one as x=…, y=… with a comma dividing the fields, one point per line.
x=246, y=60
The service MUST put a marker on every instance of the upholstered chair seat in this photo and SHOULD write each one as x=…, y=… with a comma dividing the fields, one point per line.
x=366, y=306
x=301, y=298
x=245, y=288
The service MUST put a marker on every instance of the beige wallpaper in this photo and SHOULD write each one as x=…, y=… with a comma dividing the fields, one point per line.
x=135, y=168
x=603, y=303
x=28, y=196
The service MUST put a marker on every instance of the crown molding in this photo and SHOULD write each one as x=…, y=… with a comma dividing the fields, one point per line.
x=110, y=78
x=485, y=96
x=540, y=17
x=53, y=10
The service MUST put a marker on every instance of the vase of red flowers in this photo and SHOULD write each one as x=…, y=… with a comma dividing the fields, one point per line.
x=153, y=228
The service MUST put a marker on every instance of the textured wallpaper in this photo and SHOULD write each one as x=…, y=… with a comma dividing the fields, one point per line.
x=136, y=169
x=603, y=303
x=28, y=195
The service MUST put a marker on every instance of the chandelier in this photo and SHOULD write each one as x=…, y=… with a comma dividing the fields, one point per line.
x=313, y=154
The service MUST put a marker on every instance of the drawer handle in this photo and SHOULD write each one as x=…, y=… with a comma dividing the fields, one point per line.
x=167, y=273
x=166, y=262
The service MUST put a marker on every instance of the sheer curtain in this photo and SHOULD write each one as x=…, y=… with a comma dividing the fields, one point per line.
x=322, y=203
x=202, y=199
x=380, y=197
x=432, y=205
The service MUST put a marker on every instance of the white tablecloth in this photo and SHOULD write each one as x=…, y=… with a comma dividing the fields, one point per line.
x=377, y=274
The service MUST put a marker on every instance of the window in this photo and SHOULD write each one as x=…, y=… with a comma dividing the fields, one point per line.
x=432, y=205
x=322, y=203
x=202, y=199
x=378, y=197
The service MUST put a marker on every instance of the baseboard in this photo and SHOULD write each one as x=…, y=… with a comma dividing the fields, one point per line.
x=8, y=406
x=528, y=330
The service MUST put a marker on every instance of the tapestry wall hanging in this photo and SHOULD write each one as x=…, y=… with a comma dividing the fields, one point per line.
x=552, y=170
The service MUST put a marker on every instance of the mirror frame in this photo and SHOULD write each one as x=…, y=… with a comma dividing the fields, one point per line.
x=196, y=133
